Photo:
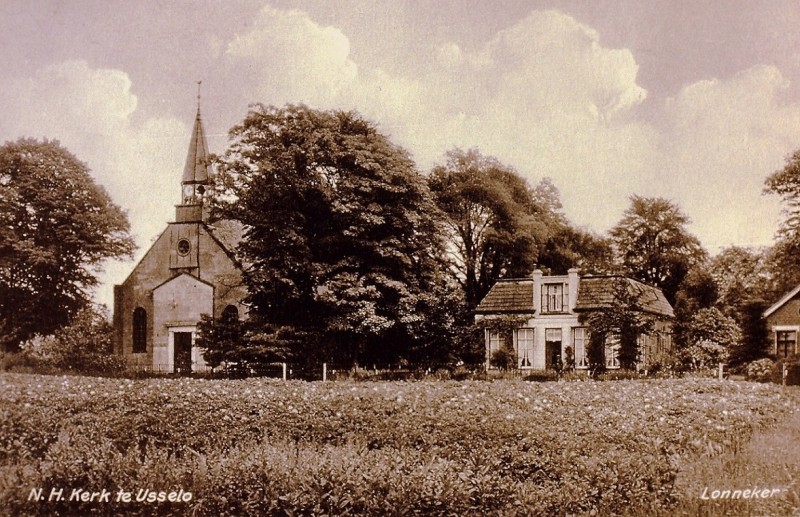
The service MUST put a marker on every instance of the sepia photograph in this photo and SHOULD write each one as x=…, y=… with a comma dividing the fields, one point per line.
x=418, y=257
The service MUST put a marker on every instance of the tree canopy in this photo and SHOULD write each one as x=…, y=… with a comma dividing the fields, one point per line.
x=782, y=258
x=493, y=224
x=653, y=244
x=343, y=239
x=57, y=226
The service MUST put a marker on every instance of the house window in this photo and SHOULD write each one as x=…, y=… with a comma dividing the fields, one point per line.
x=579, y=346
x=230, y=314
x=525, y=347
x=612, y=352
x=785, y=342
x=139, y=331
x=554, y=298
x=494, y=342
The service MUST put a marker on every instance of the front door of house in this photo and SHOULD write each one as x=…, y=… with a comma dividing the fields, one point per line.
x=183, y=352
x=552, y=349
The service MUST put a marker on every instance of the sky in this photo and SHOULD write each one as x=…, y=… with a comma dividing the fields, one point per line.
x=694, y=101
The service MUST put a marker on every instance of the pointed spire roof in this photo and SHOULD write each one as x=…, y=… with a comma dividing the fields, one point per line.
x=197, y=166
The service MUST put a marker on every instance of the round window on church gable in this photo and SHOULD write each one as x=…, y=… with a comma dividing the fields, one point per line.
x=184, y=247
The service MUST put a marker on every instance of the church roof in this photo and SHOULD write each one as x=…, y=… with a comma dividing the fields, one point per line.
x=197, y=166
x=229, y=233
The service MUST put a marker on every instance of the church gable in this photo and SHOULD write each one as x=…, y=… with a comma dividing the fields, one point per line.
x=182, y=300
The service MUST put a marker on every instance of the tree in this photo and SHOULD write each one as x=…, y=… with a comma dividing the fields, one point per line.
x=755, y=342
x=570, y=247
x=782, y=258
x=84, y=345
x=491, y=221
x=710, y=337
x=741, y=274
x=240, y=345
x=654, y=245
x=786, y=184
x=698, y=291
x=567, y=246
x=342, y=236
x=624, y=318
x=56, y=228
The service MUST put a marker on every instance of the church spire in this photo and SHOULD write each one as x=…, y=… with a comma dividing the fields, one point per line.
x=195, y=173
x=197, y=165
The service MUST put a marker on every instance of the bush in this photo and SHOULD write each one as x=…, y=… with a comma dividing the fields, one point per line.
x=619, y=375
x=760, y=370
x=85, y=346
x=266, y=447
x=542, y=375
x=24, y=362
x=792, y=364
x=504, y=358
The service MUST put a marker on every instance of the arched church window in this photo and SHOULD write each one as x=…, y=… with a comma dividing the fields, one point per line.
x=230, y=313
x=139, y=331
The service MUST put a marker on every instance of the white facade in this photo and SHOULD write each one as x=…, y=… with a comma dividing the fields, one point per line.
x=547, y=333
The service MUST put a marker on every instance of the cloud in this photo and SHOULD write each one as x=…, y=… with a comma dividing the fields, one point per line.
x=546, y=96
x=292, y=58
x=719, y=140
x=543, y=95
x=89, y=110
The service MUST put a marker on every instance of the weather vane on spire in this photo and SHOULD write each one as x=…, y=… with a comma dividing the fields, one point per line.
x=198, y=94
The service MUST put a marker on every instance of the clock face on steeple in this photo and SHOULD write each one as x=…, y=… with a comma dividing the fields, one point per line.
x=187, y=190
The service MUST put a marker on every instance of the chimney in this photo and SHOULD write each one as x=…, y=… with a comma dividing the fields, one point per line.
x=573, y=279
x=537, y=290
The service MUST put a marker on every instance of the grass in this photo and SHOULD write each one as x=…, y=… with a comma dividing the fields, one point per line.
x=771, y=459
x=266, y=447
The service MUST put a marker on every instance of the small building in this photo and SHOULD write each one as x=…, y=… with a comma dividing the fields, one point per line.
x=190, y=270
x=545, y=313
x=783, y=323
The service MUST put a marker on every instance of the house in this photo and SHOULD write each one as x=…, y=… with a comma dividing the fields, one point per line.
x=544, y=312
x=190, y=270
x=783, y=323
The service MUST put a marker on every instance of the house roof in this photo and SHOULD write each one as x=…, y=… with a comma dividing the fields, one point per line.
x=596, y=292
x=780, y=303
x=508, y=296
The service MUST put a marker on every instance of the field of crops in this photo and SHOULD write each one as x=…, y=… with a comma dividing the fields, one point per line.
x=73, y=445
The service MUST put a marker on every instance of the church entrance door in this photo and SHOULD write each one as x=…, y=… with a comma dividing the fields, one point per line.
x=183, y=352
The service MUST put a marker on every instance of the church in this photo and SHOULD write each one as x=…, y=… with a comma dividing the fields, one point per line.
x=190, y=270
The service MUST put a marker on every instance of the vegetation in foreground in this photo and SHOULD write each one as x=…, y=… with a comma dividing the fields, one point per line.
x=258, y=446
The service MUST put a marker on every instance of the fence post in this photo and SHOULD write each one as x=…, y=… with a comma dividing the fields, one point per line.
x=784, y=374
x=284, y=370
x=720, y=371
x=324, y=372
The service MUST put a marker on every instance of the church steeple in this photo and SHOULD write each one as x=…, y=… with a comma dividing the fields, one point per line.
x=195, y=173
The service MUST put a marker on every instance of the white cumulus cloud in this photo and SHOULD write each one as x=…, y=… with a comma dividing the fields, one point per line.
x=89, y=111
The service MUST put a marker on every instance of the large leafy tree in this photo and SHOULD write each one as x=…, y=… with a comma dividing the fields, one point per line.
x=567, y=246
x=741, y=274
x=493, y=224
x=57, y=226
x=710, y=337
x=654, y=245
x=782, y=259
x=343, y=239
x=698, y=291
